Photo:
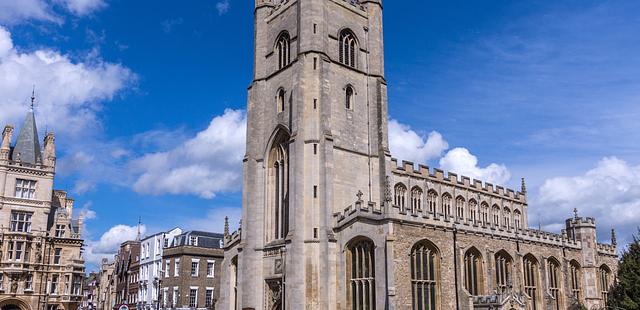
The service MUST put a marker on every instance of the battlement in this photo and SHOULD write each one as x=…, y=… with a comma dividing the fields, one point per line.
x=424, y=172
x=581, y=222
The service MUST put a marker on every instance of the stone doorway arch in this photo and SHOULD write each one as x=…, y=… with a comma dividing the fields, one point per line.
x=14, y=304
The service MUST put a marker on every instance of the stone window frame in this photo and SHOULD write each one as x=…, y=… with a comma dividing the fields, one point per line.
x=416, y=199
x=576, y=278
x=503, y=270
x=361, y=274
x=474, y=270
x=57, y=256
x=195, y=268
x=348, y=48
x=193, y=298
x=211, y=268
x=25, y=188
x=282, y=49
x=400, y=196
x=281, y=100
x=460, y=208
x=422, y=279
x=20, y=221
x=604, y=282
x=350, y=97
x=531, y=279
x=554, y=281
x=446, y=200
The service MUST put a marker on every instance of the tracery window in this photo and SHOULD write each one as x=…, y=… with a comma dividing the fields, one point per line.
x=349, y=97
x=603, y=275
x=432, y=198
x=495, y=212
x=554, y=282
x=473, y=206
x=348, y=48
x=484, y=213
x=506, y=218
x=425, y=270
x=460, y=208
x=575, y=279
x=283, y=50
x=362, y=293
x=416, y=199
x=400, y=195
x=517, y=218
x=473, y=271
x=278, y=183
x=503, y=270
x=280, y=100
x=446, y=205
x=530, y=271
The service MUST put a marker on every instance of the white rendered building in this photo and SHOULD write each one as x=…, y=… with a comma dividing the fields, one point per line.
x=151, y=249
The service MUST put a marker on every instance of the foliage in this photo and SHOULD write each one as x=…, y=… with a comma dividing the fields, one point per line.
x=626, y=291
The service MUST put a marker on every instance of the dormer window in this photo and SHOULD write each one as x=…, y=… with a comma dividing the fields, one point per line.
x=60, y=231
x=193, y=241
x=25, y=189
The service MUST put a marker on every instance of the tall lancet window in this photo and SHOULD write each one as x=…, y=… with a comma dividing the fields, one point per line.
x=425, y=273
x=361, y=275
x=278, y=184
x=348, y=48
x=554, y=283
x=283, y=50
x=530, y=273
x=473, y=272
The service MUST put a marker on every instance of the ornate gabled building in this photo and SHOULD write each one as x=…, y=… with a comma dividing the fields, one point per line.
x=331, y=221
x=41, y=263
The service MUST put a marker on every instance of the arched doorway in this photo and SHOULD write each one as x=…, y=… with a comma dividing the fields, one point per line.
x=13, y=304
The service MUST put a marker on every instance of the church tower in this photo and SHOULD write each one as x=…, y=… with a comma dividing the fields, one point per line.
x=317, y=142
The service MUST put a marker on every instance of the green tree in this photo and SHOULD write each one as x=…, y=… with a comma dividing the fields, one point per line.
x=626, y=292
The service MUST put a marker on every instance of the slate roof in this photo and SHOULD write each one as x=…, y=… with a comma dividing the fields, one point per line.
x=27, y=147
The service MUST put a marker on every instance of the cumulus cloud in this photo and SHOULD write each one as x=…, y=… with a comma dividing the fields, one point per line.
x=210, y=162
x=610, y=192
x=68, y=92
x=406, y=144
x=16, y=11
x=110, y=241
x=82, y=7
x=86, y=211
x=462, y=162
x=223, y=7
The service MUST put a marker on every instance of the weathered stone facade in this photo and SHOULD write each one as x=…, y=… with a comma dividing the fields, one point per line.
x=127, y=274
x=41, y=263
x=331, y=221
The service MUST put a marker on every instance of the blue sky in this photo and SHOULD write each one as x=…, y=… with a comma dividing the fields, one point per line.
x=147, y=99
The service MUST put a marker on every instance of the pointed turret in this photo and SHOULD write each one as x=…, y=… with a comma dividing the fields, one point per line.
x=5, y=147
x=27, y=149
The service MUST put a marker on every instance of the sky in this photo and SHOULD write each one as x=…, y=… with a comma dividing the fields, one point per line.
x=147, y=101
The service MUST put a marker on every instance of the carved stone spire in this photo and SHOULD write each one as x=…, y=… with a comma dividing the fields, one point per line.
x=5, y=147
x=226, y=226
x=523, y=187
x=614, y=240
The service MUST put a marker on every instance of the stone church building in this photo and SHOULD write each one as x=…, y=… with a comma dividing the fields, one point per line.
x=41, y=263
x=331, y=221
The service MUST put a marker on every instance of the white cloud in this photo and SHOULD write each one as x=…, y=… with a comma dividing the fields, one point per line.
x=16, y=11
x=462, y=162
x=86, y=211
x=406, y=144
x=610, y=192
x=110, y=241
x=82, y=7
x=210, y=162
x=223, y=7
x=69, y=93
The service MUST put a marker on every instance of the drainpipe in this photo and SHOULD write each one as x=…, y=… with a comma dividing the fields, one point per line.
x=455, y=263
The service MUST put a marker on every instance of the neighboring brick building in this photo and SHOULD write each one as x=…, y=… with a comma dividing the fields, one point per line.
x=126, y=274
x=191, y=269
x=41, y=263
x=331, y=221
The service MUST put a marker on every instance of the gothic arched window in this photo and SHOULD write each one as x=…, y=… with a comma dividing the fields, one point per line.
x=554, y=282
x=361, y=274
x=473, y=205
x=575, y=279
x=517, y=218
x=495, y=212
x=506, y=218
x=460, y=208
x=425, y=270
x=473, y=271
x=503, y=270
x=348, y=48
x=416, y=199
x=280, y=100
x=530, y=272
x=484, y=213
x=400, y=196
x=432, y=199
x=350, y=98
x=446, y=205
x=603, y=279
x=283, y=50
x=278, y=184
